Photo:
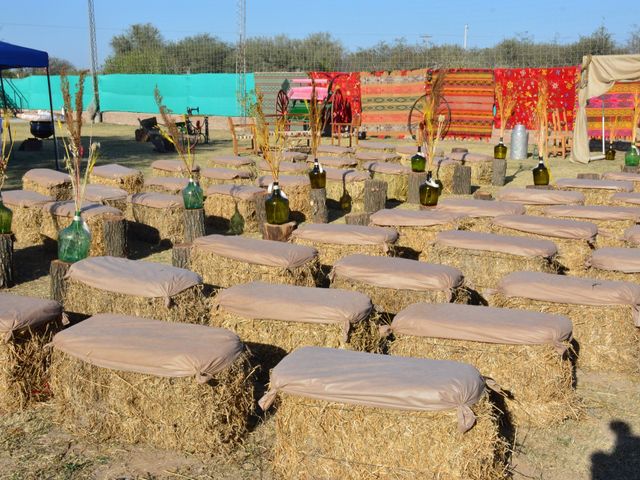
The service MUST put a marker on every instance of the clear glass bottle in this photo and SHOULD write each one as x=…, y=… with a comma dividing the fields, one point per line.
x=418, y=161
x=429, y=192
x=193, y=195
x=500, y=150
x=74, y=241
x=317, y=175
x=610, y=153
x=6, y=216
x=541, y=174
x=277, y=206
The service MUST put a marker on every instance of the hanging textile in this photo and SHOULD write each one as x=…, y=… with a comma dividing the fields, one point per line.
x=348, y=83
x=617, y=102
x=469, y=94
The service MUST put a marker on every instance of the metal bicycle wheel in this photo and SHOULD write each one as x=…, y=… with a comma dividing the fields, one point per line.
x=416, y=115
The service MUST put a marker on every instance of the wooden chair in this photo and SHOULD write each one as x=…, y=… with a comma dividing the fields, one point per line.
x=242, y=130
x=561, y=138
x=349, y=130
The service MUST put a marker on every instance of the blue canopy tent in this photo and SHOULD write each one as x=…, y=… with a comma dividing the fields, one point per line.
x=15, y=56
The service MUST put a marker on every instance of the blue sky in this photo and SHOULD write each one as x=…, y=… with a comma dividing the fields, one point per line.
x=60, y=27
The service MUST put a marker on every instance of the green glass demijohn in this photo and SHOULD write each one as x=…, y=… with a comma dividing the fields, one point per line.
x=610, y=153
x=277, y=206
x=74, y=241
x=429, y=192
x=632, y=157
x=418, y=161
x=317, y=176
x=500, y=150
x=345, y=202
x=193, y=195
x=6, y=215
x=541, y=174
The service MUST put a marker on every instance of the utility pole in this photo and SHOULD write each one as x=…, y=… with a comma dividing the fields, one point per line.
x=466, y=31
x=94, y=62
x=241, y=57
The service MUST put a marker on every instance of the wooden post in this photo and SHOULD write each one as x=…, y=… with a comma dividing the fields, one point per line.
x=499, y=172
x=6, y=260
x=280, y=233
x=261, y=212
x=114, y=232
x=318, y=200
x=181, y=255
x=375, y=195
x=589, y=176
x=357, y=219
x=57, y=272
x=193, y=224
x=415, y=180
x=461, y=180
x=541, y=187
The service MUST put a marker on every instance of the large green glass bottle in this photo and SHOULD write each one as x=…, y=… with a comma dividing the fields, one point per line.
x=610, y=153
x=193, y=195
x=74, y=241
x=317, y=176
x=541, y=174
x=429, y=192
x=418, y=161
x=346, y=202
x=632, y=157
x=277, y=206
x=500, y=150
x=6, y=216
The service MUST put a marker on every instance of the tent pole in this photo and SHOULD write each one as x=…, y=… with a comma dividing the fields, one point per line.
x=4, y=104
x=53, y=121
x=603, y=126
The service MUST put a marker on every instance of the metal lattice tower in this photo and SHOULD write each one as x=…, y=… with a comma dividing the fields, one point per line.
x=241, y=56
x=94, y=60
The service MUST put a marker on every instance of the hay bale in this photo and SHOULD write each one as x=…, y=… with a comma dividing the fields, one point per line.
x=221, y=203
x=135, y=388
x=131, y=287
x=294, y=156
x=477, y=213
x=618, y=264
x=395, y=283
x=47, y=182
x=416, y=228
x=232, y=161
x=371, y=146
x=27, y=214
x=624, y=177
x=336, y=150
x=353, y=181
x=171, y=185
x=535, y=201
x=632, y=236
x=596, y=192
x=286, y=168
x=445, y=171
x=297, y=188
x=118, y=176
x=480, y=163
x=156, y=217
x=625, y=199
x=173, y=168
x=333, y=427
x=526, y=353
x=485, y=257
x=105, y=195
x=220, y=175
x=335, y=162
x=226, y=261
x=395, y=175
x=26, y=326
x=602, y=313
x=59, y=215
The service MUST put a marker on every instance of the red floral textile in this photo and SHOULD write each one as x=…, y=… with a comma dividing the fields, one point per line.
x=348, y=83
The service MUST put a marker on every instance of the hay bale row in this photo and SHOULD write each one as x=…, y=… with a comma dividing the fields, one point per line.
x=118, y=176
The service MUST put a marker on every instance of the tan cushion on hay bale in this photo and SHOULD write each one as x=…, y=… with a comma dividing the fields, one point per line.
x=632, y=198
x=547, y=287
x=156, y=200
x=89, y=210
x=594, y=212
x=174, y=166
x=388, y=168
x=622, y=176
x=376, y=156
x=18, y=312
x=151, y=347
x=256, y=251
x=632, y=235
x=133, y=277
x=479, y=208
x=47, y=177
x=469, y=157
x=335, y=149
x=285, y=181
x=618, y=186
x=550, y=227
x=626, y=260
x=241, y=192
x=167, y=183
x=346, y=234
x=102, y=193
x=411, y=150
x=490, y=242
x=113, y=171
x=373, y=145
x=483, y=324
x=530, y=196
x=289, y=167
x=398, y=273
x=412, y=218
x=25, y=198
x=220, y=173
x=335, y=162
x=294, y=156
x=232, y=160
x=338, y=175
x=379, y=381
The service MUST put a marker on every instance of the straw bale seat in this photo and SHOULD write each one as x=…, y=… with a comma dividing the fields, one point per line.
x=395, y=283
x=596, y=192
x=625, y=199
x=227, y=261
x=535, y=201
x=171, y=385
x=335, y=162
x=133, y=287
x=26, y=326
x=408, y=151
x=376, y=157
x=624, y=177
x=575, y=239
x=50, y=183
x=27, y=214
x=604, y=314
x=293, y=156
x=286, y=168
x=105, y=195
x=632, y=236
x=156, y=217
x=611, y=221
x=353, y=181
x=480, y=163
x=486, y=257
x=356, y=415
x=274, y=320
x=297, y=188
x=232, y=161
x=119, y=176
x=59, y=215
x=172, y=168
x=396, y=176
x=445, y=171
x=615, y=263
x=220, y=175
x=478, y=213
x=416, y=228
x=222, y=201
x=171, y=185
x=526, y=353
x=335, y=150
x=373, y=146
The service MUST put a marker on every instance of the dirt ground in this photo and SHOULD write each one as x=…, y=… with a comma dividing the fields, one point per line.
x=603, y=445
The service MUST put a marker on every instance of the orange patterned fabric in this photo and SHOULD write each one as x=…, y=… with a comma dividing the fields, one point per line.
x=617, y=102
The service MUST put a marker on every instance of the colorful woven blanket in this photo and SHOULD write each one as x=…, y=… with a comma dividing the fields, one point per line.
x=618, y=102
x=348, y=83
x=470, y=96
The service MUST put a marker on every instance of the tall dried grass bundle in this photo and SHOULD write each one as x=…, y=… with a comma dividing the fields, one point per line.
x=636, y=115
x=190, y=305
x=614, y=126
x=316, y=120
x=542, y=121
x=537, y=378
x=432, y=126
x=606, y=336
x=506, y=103
x=317, y=439
x=170, y=413
x=155, y=225
x=272, y=152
